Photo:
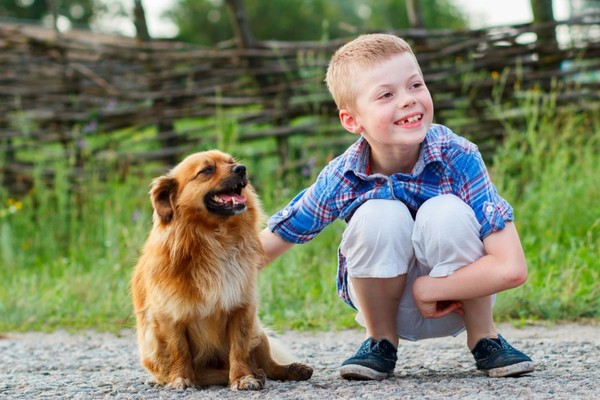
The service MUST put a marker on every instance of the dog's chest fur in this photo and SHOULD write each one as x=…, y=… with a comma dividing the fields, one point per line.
x=210, y=284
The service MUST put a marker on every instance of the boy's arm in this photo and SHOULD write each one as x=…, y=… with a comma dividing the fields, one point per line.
x=503, y=267
x=273, y=245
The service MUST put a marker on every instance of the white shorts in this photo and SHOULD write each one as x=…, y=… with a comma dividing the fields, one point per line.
x=383, y=241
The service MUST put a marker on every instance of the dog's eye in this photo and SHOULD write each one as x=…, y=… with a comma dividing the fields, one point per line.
x=209, y=170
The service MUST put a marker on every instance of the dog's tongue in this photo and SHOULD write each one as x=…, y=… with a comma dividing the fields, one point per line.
x=233, y=198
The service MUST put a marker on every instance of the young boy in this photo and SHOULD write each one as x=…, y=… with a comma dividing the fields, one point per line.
x=428, y=240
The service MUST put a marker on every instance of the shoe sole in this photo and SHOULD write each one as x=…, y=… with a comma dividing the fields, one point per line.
x=511, y=370
x=360, y=373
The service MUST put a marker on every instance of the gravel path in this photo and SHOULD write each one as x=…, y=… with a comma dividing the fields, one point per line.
x=100, y=366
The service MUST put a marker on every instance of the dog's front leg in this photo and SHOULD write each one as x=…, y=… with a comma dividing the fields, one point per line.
x=240, y=328
x=180, y=358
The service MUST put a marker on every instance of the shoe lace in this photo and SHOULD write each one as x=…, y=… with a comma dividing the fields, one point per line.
x=497, y=344
x=367, y=346
x=383, y=349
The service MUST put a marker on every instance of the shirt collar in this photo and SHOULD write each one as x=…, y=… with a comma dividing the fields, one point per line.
x=431, y=150
x=358, y=154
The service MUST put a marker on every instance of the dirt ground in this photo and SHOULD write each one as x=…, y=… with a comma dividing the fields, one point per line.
x=104, y=366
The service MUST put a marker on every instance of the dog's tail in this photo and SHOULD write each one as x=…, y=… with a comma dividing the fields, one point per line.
x=280, y=352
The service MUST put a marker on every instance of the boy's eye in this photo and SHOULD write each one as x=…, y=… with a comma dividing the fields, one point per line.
x=386, y=95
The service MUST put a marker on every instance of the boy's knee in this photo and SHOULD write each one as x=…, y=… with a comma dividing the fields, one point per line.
x=376, y=242
x=446, y=213
x=382, y=208
x=446, y=235
x=442, y=206
x=380, y=219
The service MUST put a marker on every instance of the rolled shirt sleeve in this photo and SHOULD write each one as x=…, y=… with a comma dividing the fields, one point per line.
x=476, y=189
x=307, y=214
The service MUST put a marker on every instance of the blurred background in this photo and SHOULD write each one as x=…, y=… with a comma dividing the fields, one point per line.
x=98, y=97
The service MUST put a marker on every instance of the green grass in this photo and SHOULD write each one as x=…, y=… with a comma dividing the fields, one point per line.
x=550, y=174
x=298, y=290
x=66, y=257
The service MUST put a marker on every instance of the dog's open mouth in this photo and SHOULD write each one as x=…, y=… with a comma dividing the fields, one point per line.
x=228, y=201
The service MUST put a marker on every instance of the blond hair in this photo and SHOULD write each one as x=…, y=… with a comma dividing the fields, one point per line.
x=362, y=52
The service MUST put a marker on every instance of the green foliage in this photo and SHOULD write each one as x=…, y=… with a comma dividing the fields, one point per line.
x=66, y=255
x=549, y=172
x=207, y=22
x=298, y=290
x=78, y=12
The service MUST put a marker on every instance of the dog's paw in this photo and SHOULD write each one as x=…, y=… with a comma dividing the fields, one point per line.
x=250, y=382
x=299, y=372
x=180, y=383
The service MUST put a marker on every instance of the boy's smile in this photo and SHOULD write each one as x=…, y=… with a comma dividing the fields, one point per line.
x=410, y=120
x=393, y=110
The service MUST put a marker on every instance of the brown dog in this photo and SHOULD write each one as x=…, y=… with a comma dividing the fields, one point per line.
x=195, y=286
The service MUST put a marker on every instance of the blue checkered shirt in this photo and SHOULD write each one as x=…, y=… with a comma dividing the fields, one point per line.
x=447, y=164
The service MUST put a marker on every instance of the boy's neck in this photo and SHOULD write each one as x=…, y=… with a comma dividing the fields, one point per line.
x=393, y=162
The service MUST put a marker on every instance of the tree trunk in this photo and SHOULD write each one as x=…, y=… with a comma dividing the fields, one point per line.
x=415, y=20
x=239, y=21
x=542, y=11
x=543, y=14
x=139, y=21
x=415, y=15
x=165, y=129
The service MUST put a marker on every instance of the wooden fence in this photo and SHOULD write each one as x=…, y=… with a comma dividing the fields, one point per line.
x=85, y=97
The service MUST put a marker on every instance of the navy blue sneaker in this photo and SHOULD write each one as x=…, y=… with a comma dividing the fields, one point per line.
x=374, y=360
x=499, y=359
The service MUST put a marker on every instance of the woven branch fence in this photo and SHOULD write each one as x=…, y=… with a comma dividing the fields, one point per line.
x=118, y=103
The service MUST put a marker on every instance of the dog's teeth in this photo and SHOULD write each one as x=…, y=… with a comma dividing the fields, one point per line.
x=217, y=199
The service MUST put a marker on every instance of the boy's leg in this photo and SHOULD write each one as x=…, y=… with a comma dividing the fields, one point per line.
x=446, y=237
x=378, y=300
x=378, y=250
x=479, y=320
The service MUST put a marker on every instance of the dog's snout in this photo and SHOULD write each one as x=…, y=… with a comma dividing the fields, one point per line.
x=239, y=169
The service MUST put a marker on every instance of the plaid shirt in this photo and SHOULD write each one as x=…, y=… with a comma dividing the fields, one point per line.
x=447, y=164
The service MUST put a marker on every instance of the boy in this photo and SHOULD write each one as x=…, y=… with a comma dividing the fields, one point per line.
x=428, y=240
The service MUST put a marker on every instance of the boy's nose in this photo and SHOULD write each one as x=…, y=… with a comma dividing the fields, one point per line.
x=408, y=102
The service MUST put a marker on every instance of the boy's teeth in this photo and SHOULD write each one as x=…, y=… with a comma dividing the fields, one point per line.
x=412, y=119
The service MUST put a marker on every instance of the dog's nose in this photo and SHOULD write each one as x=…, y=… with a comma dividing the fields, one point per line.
x=239, y=169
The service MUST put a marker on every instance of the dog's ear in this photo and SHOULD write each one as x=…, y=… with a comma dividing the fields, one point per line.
x=162, y=195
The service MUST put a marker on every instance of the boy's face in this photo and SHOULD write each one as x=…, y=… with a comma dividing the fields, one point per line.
x=393, y=107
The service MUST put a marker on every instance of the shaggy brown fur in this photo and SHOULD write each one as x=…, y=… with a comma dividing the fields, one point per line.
x=195, y=286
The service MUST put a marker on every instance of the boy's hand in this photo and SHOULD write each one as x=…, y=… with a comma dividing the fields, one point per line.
x=430, y=308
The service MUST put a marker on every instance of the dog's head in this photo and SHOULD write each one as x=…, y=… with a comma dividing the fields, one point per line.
x=209, y=183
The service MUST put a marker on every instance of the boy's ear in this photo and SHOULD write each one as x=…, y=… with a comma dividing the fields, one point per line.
x=349, y=122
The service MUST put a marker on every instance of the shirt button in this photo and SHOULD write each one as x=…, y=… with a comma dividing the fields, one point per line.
x=285, y=213
x=489, y=209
